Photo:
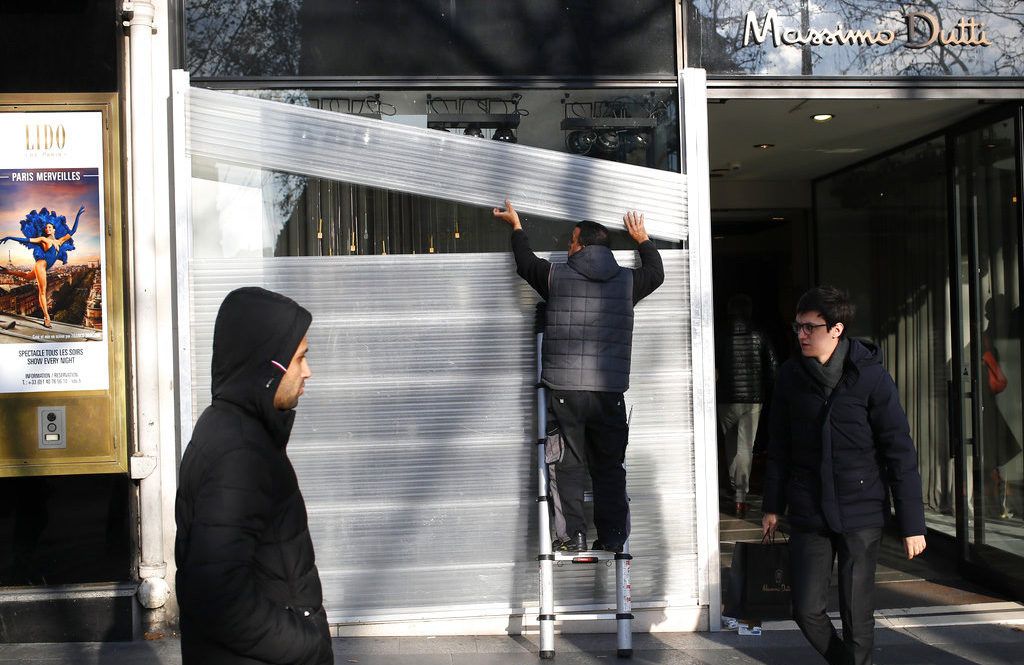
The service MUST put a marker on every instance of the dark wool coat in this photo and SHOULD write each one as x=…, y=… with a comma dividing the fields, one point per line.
x=831, y=459
x=246, y=572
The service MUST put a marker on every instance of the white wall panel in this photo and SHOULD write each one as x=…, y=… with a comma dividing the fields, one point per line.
x=414, y=442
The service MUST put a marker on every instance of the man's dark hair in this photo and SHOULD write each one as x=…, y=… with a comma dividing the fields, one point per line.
x=592, y=233
x=831, y=303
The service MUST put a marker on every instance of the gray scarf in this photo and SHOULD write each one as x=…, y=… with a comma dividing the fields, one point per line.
x=828, y=375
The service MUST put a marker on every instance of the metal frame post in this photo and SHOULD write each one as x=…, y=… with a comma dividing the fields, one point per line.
x=623, y=603
x=545, y=558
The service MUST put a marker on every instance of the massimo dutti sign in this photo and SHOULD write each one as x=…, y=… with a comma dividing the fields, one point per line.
x=861, y=38
x=919, y=30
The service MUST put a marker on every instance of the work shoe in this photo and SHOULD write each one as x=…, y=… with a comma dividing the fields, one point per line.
x=576, y=543
x=608, y=547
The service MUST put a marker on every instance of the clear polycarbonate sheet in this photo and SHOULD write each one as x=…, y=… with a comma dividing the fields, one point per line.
x=364, y=151
x=415, y=444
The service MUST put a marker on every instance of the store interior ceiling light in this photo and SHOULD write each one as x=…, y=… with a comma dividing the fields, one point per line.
x=365, y=107
x=605, y=126
x=860, y=127
x=822, y=117
x=569, y=124
x=635, y=140
x=764, y=146
x=466, y=120
x=608, y=140
x=475, y=113
x=504, y=134
x=580, y=142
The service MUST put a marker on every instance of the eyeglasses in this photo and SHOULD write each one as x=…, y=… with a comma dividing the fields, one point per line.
x=806, y=328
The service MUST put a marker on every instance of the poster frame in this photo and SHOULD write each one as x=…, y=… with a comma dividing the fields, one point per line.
x=96, y=449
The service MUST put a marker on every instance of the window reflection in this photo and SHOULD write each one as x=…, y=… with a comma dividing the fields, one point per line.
x=240, y=211
x=989, y=199
x=882, y=235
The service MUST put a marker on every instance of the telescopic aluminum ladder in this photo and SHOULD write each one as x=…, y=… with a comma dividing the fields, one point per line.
x=549, y=560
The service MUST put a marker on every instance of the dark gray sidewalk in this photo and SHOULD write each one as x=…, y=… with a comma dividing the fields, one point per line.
x=935, y=645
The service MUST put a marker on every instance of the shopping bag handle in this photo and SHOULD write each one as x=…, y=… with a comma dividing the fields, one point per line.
x=769, y=538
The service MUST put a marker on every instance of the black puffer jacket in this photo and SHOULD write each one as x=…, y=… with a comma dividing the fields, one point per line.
x=246, y=571
x=830, y=459
x=746, y=365
x=588, y=339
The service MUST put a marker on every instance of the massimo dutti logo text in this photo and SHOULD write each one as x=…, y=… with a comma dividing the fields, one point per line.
x=922, y=30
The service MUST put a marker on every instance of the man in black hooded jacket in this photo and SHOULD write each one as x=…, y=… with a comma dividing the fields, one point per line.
x=247, y=582
x=588, y=338
x=840, y=444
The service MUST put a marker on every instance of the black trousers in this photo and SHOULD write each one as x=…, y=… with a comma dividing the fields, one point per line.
x=595, y=432
x=811, y=555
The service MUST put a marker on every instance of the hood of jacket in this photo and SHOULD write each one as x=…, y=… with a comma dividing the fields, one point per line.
x=864, y=353
x=255, y=336
x=595, y=262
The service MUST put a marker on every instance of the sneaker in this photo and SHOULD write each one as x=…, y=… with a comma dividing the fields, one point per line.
x=576, y=543
x=608, y=547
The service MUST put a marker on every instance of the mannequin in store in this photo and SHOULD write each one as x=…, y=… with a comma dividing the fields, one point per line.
x=1001, y=417
x=746, y=371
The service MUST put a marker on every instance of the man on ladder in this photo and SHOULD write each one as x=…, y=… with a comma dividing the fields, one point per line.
x=588, y=338
x=585, y=341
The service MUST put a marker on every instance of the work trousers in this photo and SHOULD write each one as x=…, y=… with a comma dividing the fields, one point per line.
x=595, y=433
x=738, y=424
x=811, y=555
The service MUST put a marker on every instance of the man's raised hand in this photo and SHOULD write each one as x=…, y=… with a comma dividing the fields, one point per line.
x=635, y=225
x=508, y=215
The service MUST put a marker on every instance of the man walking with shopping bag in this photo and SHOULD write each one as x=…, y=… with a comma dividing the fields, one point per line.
x=839, y=440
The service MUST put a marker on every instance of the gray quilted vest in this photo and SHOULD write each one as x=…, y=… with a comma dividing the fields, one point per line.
x=588, y=334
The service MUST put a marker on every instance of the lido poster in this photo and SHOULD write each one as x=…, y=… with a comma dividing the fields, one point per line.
x=53, y=335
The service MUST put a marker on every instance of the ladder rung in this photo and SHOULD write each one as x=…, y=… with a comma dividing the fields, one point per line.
x=589, y=556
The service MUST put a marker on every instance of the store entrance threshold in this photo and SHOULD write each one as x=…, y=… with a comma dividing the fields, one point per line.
x=931, y=580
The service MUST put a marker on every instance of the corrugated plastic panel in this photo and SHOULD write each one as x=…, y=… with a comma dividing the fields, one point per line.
x=414, y=442
x=363, y=151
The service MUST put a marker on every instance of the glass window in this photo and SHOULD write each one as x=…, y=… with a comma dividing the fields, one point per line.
x=292, y=215
x=413, y=38
x=882, y=234
x=64, y=530
x=989, y=215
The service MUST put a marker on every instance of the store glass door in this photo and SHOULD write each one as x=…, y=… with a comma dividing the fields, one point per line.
x=987, y=183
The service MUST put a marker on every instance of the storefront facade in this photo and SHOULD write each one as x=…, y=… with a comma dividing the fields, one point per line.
x=416, y=456
x=922, y=222
x=69, y=504
x=348, y=154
